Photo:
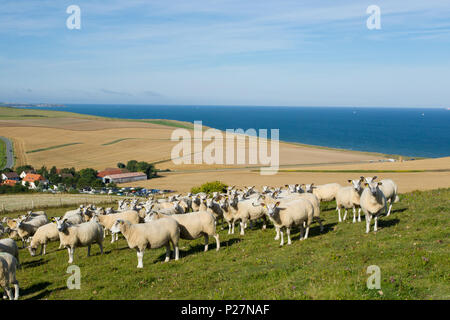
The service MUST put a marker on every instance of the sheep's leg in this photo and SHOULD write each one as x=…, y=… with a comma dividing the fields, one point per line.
x=117, y=236
x=376, y=224
x=345, y=214
x=282, y=240
x=306, y=233
x=101, y=247
x=89, y=250
x=288, y=232
x=216, y=236
x=389, y=211
x=354, y=215
x=206, y=241
x=9, y=293
x=302, y=232
x=229, y=227
x=232, y=231
x=278, y=234
x=368, y=218
x=167, y=252
x=176, y=252
x=359, y=214
x=242, y=224
x=43, y=249
x=339, y=213
x=70, y=250
x=16, y=291
x=140, y=256
x=112, y=237
x=264, y=223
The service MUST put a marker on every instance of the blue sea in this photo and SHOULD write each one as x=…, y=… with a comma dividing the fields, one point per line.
x=404, y=131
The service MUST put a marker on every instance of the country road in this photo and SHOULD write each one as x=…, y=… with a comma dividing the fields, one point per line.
x=9, y=153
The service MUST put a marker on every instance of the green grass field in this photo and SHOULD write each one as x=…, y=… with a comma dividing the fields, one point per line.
x=411, y=248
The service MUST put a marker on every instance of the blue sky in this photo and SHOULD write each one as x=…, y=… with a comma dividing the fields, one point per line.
x=226, y=52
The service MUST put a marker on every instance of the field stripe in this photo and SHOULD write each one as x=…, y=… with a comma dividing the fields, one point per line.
x=53, y=147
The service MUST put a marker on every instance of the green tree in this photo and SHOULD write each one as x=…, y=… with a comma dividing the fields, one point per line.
x=120, y=165
x=132, y=165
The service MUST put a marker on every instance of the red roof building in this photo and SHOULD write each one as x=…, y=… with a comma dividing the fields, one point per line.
x=11, y=183
x=110, y=171
x=32, y=177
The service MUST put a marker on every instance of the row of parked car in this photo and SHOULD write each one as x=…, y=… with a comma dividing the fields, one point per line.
x=126, y=191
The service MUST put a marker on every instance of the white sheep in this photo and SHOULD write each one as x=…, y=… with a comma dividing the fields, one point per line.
x=8, y=266
x=10, y=246
x=108, y=220
x=193, y=225
x=44, y=234
x=80, y=235
x=152, y=235
x=227, y=214
x=389, y=189
x=324, y=192
x=372, y=202
x=289, y=214
x=245, y=211
x=349, y=197
x=28, y=226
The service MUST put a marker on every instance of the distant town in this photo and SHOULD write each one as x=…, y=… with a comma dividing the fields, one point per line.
x=29, y=105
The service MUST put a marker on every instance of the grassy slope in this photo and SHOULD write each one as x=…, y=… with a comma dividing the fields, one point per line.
x=411, y=248
x=2, y=154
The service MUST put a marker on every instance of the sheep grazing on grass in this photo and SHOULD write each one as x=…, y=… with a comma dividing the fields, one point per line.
x=108, y=220
x=290, y=214
x=193, y=225
x=152, y=235
x=27, y=227
x=349, y=197
x=372, y=202
x=325, y=192
x=228, y=214
x=44, y=234
x=80, y=235
x=10, y=246
x=389, y=189
x=245, y=211
x=8, y=266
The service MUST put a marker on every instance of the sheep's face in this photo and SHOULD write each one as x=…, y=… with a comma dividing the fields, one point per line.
x=356, y=184
x=209, y=203
x=369, y=179
x=32, y=250
x=272, y=208
x=223, y=203
x=61, y=225
x=116, y=226
x=373, y=187
x=309, y=187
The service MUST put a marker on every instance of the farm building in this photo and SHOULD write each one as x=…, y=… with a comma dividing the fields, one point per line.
x=10, y=183
x=124, y=177
x=10, y=176
x=110, y=171
x=32, y=178
x=24, y=173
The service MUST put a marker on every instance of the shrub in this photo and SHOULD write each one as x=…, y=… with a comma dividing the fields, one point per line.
x=210, y=187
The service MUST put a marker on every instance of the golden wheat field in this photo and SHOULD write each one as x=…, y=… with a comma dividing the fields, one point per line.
x=69, y=140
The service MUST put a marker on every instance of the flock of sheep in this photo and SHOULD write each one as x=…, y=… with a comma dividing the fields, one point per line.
x=158, y=223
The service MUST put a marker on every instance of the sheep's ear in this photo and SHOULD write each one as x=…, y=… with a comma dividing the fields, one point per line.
x=380, y=183
x=374, y=177
x=277, y=203
x=366, y=184
x=349, y=180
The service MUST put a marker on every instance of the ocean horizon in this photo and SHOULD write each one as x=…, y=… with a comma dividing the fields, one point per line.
x=413, y=132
